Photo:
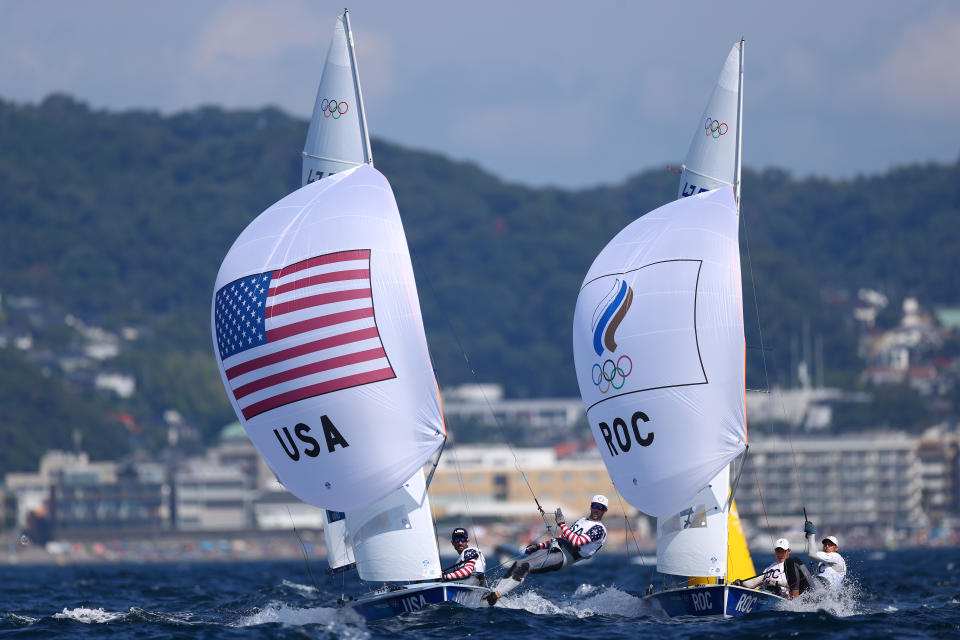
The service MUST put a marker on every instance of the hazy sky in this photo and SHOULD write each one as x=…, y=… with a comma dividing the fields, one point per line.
x=543, y=92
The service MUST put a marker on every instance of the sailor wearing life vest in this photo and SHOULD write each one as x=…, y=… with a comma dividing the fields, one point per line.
x=575, y=543
x=832, y=567
x=470, y=566
x=786, y=577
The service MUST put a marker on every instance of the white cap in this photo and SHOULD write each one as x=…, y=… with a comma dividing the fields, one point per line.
x=832, y=539
x=782, y=543
x=600, y=499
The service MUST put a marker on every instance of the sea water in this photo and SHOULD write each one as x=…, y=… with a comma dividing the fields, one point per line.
x=901, y=594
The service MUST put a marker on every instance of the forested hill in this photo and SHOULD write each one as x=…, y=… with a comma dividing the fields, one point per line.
x=123, y=219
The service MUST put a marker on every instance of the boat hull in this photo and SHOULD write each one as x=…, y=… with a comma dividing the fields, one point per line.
x=399, y=599
x=713, y=600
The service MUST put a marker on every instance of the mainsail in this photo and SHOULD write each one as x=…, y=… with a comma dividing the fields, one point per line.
x=658, y=346
x=711, y=161
x=318, y=335
x=337, y=138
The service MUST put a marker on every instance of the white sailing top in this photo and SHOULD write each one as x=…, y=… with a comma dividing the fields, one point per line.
x=775, y=573
x=831, y=567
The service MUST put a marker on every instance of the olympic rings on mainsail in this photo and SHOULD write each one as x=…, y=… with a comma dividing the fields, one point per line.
x=715, y=128
x=606, y=376
x=333, y=108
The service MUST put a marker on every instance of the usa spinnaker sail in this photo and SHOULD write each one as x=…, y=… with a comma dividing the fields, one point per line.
x=320, y=342
x=337, y=138
x=711, y=160
x=659, y=348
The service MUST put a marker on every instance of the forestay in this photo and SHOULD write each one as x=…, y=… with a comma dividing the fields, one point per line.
x=337, y=138
x=320, y=342
x=711, y=159
x=659, y=351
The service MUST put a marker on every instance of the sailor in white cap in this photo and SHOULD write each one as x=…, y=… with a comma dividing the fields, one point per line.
x=575, y=543
x=784, y=577
x=831, y=568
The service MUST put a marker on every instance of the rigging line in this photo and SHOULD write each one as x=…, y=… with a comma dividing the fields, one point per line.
x=736, y=482
x=486, y=400
x=793, y=454
x=756, y=303
x=764, y=505
x=303, y=549
x=466, y=499
x=766, y=375
x=629, y=529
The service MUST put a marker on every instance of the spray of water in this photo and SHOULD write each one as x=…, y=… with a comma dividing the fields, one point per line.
x=586, y=601
x=345, y=624
x=842, y=603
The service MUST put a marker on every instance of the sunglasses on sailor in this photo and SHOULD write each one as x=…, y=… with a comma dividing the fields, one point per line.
x=598, y=506
x=455, y=540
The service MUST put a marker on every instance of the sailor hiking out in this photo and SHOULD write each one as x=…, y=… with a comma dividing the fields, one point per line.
x=831, y=567
x=575, y=543
x=470, y=565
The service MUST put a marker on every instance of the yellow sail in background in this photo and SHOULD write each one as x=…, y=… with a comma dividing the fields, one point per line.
x=739, y=562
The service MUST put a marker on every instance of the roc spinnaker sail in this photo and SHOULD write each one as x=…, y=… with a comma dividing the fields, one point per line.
x=658, y=346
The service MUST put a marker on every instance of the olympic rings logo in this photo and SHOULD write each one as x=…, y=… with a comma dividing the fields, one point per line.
x=607, y=375
x=334, y=108
x=715, y=128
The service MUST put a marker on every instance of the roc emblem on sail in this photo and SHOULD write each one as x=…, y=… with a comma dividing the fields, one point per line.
x=630, y=332
x=301, y=331
x=611, y=373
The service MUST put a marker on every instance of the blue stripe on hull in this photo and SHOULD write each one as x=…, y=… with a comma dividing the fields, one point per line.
x=386, y=603
x=713, y=600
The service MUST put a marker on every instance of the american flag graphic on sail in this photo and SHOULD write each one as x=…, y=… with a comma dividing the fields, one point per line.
x=302, y=331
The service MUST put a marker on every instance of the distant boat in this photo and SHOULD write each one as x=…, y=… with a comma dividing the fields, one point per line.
x=659, y=352
x=321, y=348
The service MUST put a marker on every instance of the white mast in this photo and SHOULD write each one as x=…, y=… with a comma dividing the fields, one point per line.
x=367, y=153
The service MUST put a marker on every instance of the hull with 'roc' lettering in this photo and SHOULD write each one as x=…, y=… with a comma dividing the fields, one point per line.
x=715, y=600
x=318, y=335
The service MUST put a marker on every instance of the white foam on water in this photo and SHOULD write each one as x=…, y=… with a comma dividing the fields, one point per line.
x=343, y=623
x=586, y=601
x=842, y=603
x=22, y=619
x=302, y=589
x=89, y=616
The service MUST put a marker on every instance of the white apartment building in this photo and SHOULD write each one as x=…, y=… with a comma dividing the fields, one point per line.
x=873, y=481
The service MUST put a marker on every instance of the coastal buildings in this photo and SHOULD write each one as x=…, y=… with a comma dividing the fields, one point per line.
x=871, y=484
x=872, y=481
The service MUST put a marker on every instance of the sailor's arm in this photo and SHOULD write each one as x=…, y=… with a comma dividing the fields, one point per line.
x=465, y=569
x=823, y=556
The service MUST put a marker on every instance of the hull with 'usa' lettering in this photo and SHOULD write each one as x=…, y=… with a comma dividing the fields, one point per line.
x=396, y=600
x=713, y=601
